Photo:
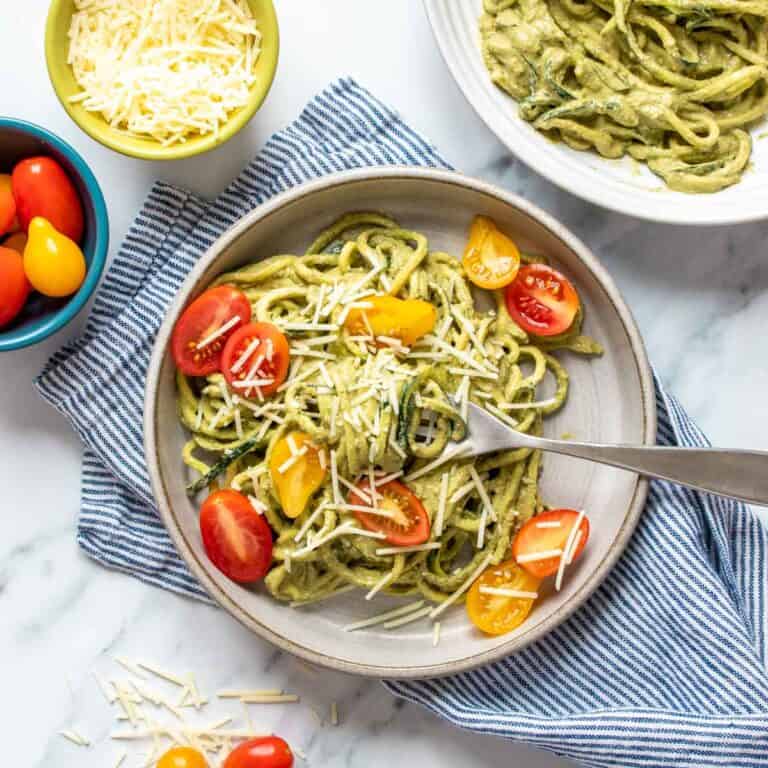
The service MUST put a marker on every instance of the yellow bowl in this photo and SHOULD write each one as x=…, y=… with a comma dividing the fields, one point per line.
x=63, y=80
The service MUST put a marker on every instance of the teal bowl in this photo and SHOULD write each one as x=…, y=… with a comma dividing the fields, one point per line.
x=42, y=317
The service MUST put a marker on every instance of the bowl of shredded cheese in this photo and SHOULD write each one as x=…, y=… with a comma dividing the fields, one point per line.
x=161, y=79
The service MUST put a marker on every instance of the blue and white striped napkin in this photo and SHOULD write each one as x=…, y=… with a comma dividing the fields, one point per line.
x=666, y=663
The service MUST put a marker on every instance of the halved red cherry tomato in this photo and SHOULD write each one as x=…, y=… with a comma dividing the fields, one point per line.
x=263, y=752
x=14, y=286
x=200, y=321
x=41, y=187
x=7, y=205
x=540, y=534
x=497, y=614
x=236, y=537
x=491, y=259
x=256, y=352
x=182, y=757
x=542, y=301
x=409, y=521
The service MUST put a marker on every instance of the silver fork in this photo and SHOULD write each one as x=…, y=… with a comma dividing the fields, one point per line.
x=735, y=473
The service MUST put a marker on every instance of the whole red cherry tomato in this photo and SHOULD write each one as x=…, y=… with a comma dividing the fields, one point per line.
x=7, y=205
x=41, y=187
x=14, y=286
x=264, y=752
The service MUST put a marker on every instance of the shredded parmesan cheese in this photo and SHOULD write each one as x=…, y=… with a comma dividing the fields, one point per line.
x=243, y=359
x=289, y=462
x=568, y=550
x=382, y=617
x=462, y=589
x=415, y=616
x=447, y=455
x=167, y=69
x=164, y=674
x=503, y=592
x=573, y=549
x=404, y=550
x=362, y=508
x=231, y=323
x=380, y=584
x=525, y=406
x=484, y=497
x=535, y=556
x=462, y=491
x=501, y=415
x=260, y=698
x=75, y=738
x=335, y=478
x=441, y=504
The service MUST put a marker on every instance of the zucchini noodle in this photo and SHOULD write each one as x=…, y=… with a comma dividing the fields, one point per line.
x=675, y=84
x=379, y=411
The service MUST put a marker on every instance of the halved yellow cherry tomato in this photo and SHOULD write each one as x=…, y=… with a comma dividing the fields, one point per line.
x=404, y=319
x=54, y=264
x=491, y=259
x=182, y=757
x=497, y=614
x=298, y=479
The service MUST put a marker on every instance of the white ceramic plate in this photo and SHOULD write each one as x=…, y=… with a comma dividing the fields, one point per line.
x=611, y=401
x=621, y=185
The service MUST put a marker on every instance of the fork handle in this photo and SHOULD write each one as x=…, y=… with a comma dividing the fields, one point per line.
x=738, y=474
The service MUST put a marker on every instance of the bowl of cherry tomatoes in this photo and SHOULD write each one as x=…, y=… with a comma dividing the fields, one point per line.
x=54, y=233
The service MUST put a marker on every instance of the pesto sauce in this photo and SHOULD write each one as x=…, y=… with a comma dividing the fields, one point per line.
x=663, y=81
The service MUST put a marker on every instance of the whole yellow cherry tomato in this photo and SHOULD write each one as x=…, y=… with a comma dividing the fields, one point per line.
x=490, y=258
x=298, y=479
x=54, y=264
x=182, y=757
x=404, y=319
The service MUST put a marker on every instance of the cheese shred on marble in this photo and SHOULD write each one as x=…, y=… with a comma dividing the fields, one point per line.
x=140, y=711
x=75, y=738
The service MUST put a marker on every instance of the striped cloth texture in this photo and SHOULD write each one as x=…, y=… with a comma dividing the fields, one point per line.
x=665, y=665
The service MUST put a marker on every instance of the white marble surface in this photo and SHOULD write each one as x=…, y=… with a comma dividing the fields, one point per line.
x=700, y=297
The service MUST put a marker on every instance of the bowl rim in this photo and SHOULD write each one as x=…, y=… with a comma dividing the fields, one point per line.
x=547, y=165
x=63, y=316
x=191, y=286
x=155, y=151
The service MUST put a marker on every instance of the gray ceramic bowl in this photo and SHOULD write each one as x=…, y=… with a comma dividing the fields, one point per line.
x=611, y=400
